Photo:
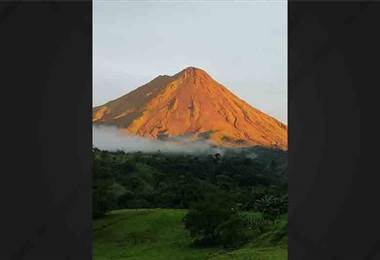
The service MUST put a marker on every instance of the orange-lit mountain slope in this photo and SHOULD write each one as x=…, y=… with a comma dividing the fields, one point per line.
x=192, y=104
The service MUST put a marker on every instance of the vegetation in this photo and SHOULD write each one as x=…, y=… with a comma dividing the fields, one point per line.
x=215, y=221
x=159, y=234
x=229, y=204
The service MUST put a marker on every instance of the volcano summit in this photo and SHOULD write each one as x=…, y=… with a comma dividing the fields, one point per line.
x=191, y=104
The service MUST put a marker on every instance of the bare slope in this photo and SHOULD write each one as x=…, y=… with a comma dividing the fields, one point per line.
x=191, y=103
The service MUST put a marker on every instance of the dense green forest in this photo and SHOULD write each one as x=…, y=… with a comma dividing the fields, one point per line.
x=231, y=197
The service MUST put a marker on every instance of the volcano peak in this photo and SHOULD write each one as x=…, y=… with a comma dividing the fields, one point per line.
x=191, y=102
x=193, y=72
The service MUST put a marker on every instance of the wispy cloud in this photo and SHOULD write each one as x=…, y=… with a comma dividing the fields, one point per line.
x=111, y=139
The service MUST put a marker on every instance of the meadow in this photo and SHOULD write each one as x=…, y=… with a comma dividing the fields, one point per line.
x=160, y=234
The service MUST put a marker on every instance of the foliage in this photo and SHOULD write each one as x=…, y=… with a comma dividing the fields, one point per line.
x=215, y=221
x=151, y=180
x=272, y=206
x=159, y=234
x=232, y=198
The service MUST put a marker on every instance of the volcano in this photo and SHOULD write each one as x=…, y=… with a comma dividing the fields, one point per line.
x=191, y=104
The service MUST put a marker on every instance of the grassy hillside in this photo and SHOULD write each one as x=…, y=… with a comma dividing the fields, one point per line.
x=160, y=234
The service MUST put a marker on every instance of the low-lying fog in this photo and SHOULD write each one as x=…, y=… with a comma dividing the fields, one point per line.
x=111, y=139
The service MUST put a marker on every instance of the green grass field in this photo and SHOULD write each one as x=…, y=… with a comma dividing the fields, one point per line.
x=160, y=234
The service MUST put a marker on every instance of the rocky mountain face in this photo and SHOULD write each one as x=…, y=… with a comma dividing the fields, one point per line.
x=192, y=105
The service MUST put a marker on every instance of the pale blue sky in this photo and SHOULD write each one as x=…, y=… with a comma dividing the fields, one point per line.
x=242, y=45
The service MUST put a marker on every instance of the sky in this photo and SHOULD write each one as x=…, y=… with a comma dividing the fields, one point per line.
x=242, y=45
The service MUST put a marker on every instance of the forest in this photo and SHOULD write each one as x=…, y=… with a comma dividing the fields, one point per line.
x=230, y=197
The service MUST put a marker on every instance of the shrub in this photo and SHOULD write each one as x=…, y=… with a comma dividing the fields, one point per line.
x=272, y=206
x=215, y=221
